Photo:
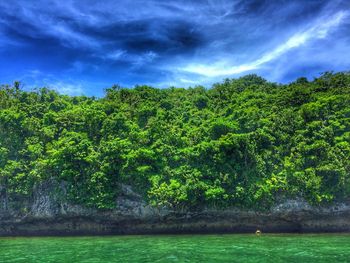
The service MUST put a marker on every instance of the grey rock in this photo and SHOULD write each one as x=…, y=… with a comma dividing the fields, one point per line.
x=50, y=213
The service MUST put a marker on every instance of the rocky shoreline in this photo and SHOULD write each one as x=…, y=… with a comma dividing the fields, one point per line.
x=177, y=224
x=47, y=214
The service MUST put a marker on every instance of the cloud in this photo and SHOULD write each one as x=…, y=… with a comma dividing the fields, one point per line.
x=67, y=88
x=35, y=78
x=318, y=30
x=39, y=21
x=116, y=55
x=134, y=59
x=176, y=42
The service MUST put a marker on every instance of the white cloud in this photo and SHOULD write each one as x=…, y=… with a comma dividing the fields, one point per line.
x=67, y=88
x=146, y=57
x=35, y=78
x=116, y=55
x=188, y=81
x=135, y=59
x=68, y=36
x=50, y=22
x=318, y=30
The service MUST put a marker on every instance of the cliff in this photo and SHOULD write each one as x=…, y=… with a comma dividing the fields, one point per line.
x=47, y=213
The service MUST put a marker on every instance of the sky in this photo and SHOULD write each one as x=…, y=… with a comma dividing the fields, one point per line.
x=84, y=46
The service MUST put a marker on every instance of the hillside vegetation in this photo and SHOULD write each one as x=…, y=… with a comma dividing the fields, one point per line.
x=245, y=142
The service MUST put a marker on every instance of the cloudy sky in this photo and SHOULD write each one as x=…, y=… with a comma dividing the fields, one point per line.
x=84, y=46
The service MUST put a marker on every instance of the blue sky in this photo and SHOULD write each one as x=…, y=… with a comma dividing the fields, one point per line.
x=83, y=46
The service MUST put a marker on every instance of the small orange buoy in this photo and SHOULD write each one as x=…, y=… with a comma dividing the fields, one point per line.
x=258, y=232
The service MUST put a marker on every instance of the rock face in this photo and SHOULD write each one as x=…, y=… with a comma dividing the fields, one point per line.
x=47, y=213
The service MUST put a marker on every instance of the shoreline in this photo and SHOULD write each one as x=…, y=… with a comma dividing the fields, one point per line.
x=47, y=216
x=295, y=223
x=179, y=234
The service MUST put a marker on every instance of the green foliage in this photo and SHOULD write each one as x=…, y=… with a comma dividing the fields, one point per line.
x=245, y=142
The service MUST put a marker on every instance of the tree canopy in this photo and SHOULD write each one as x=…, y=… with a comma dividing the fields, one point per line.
x=245, y=142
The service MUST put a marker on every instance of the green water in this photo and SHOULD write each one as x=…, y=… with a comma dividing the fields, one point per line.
x=182, y=248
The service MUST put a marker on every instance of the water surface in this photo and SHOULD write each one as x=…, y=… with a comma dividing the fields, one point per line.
x=178, y=248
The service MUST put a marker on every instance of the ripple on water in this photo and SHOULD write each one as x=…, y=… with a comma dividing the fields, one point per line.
x=179, y=248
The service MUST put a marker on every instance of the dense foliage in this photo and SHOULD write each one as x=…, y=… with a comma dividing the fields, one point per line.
x=244, y=142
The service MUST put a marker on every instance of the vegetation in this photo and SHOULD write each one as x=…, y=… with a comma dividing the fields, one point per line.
x=244, y=142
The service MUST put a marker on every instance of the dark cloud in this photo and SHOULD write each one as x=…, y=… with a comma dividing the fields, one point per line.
x=94, y=44
x=174, y=36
